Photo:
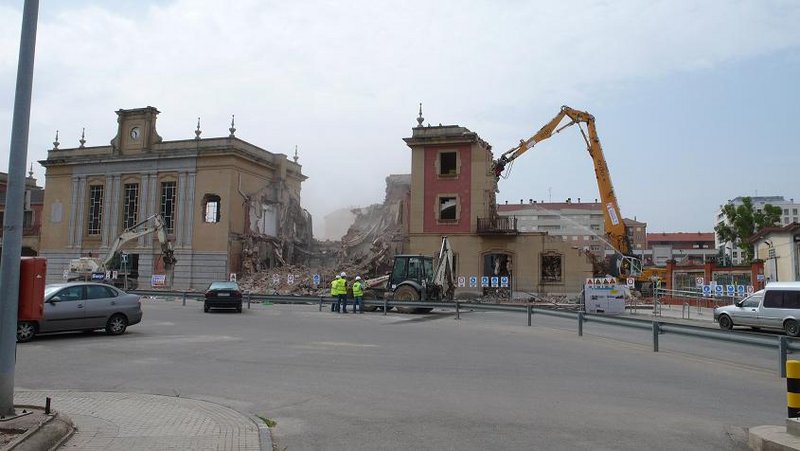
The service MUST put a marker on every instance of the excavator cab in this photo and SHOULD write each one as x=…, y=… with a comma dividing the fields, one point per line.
x=413, y=272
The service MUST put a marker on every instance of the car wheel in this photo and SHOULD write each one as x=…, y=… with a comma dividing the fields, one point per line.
x=239, y=309
x=791, y=327
x=116, y=325
x=206, y=308
x=725, y=322
x=25, y=331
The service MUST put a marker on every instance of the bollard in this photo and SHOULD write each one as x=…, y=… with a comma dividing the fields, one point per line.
x=656, y=331
x=793, y=388
x=458, y=311
x=320, y=303
x=248, y=300
x=530, y=314
x=184, y=298
x=580, y=324
x=385, y=306
x=47, y=406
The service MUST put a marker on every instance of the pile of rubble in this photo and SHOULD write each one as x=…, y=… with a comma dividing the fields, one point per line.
x=293, y=280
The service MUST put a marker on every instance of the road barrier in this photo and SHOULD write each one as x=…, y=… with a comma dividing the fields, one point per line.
x=785, y=345
x=793, y=388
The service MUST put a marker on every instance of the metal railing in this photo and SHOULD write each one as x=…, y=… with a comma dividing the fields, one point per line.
x=785, y=345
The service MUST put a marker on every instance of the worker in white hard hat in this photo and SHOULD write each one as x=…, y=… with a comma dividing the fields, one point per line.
x=341, y=293
x=358, y=295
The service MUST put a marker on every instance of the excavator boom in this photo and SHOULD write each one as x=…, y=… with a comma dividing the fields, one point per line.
x=614, y=224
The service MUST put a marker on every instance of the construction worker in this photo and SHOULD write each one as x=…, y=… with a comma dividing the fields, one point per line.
x=358, y=294
x=335, y=294
x=341, y=293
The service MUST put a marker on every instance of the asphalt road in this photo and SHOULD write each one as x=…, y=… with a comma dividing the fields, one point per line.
x=486, y=381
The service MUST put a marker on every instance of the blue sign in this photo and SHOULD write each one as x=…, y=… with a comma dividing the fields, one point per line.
x=316, y=279
x=98, y=276
x=740, y=289
x=730, y=289
x=504, y=282
x=706, y=290
x=495, y=282
x=485, y=281
x=473, y=281
x=718, y=290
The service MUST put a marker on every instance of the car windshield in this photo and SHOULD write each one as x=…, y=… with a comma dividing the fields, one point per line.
x=223, y=286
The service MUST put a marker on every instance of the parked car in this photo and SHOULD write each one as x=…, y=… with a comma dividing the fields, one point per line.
x=83, y=306
x=777, y=306
x=223, y=295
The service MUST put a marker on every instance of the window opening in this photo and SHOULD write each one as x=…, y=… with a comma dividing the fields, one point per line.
x=211, y=208
x=447, y=208
x=131, y=205
x=168, y=190
x=448, y=163
x=95, y=209
x=551, y=267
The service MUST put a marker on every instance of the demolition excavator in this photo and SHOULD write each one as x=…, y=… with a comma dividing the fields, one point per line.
x=89, y=268
x=623, y=263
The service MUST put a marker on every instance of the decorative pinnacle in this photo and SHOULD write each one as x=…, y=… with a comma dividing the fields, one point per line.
x=83, y=137
x=197, y=132
x=295, y=154
x=420, y=119
x=30, y=172
x=56, y=143
x=233, y=128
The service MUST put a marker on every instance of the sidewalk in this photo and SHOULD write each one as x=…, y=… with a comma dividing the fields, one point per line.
x=132, y=421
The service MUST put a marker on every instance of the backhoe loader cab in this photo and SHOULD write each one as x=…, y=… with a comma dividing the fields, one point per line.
x=415, y=272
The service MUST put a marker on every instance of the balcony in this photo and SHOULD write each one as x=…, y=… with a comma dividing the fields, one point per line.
x=500, y=225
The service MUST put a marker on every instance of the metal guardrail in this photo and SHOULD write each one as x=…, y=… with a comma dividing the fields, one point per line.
x=785, y=345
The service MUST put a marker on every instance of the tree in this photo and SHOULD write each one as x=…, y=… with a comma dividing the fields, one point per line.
x=742, y=222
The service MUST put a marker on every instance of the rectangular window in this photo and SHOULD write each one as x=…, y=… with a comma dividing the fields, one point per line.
x=95, y=209
x=595, y=227
x=786, y=220
x=786, y=211
x=794, y=211
x=551, y=268
x=549, y=227
x=130, y=205
x=168, y=190
x=448, y=162
x=447, y=209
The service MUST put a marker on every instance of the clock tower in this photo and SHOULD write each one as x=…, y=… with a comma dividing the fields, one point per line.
x=136, y=132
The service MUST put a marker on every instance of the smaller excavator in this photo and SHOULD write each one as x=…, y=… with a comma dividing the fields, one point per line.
x=85, y=268
x=624, y=263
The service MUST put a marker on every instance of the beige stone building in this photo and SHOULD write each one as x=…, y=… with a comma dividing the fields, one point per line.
x=453, y=194
x=228, y=205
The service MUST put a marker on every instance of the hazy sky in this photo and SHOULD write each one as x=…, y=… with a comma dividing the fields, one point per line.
x=696, y=102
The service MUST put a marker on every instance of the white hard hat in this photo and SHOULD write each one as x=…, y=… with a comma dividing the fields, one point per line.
x=358, y=277
x=343, y=274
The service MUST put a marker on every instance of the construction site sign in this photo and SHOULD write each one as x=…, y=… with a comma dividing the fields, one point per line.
x=504, y=282
x=473, y=281
x=158, y=280
x=485, y=281
x=276, y=279
x=315, y=278
x=290, y=279
x=462, y=281
x=495, y=282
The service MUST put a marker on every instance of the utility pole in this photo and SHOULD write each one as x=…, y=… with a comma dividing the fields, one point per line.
x=15, y=203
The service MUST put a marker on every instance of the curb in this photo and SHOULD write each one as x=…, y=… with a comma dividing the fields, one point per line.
x=772, y=438
x=264, y=434
x=47, y=435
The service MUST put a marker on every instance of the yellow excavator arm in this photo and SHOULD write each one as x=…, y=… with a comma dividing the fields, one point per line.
x=614, y=225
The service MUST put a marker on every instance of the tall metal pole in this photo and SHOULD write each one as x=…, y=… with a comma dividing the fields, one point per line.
x=15, y=202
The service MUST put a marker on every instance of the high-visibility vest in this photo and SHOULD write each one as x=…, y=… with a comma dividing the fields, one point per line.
x=357, y=291
x=335, y=286
x=341, y=286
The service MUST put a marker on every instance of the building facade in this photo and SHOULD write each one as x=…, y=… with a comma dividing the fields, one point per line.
x=779, y=249
x=227, y=204
x=32, y=213
x=453, y=194
x=684, y=248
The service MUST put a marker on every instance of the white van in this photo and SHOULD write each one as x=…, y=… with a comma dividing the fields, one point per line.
x=775, y=307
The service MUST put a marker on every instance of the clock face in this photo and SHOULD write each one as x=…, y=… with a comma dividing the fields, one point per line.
x=135, y=133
